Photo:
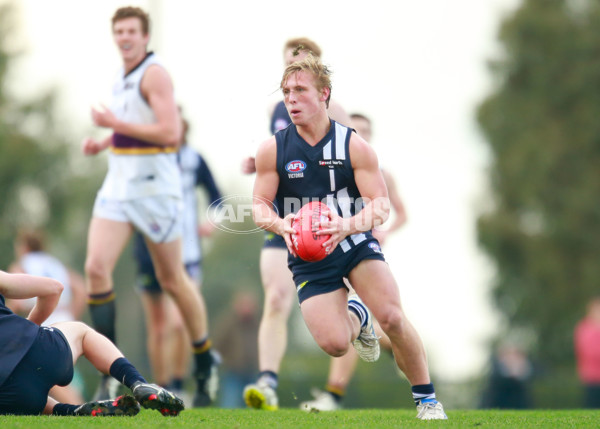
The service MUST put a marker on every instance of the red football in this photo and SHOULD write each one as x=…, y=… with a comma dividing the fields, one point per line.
x=307, y=244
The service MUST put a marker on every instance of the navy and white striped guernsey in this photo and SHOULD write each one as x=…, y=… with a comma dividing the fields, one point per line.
x=322, y=172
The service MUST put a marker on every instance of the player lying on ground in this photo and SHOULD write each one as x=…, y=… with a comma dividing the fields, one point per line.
x=33, y=359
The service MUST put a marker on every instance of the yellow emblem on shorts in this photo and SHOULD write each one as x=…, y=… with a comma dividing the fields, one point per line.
x=301, y=285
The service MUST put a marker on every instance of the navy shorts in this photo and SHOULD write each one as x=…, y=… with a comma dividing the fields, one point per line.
x=273, y=240
x=147, y=282
x=317, y=278
x=49, y=362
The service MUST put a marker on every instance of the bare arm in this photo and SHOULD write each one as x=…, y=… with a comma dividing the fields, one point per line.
x=17, y=305
x=249, y=165
x=20, y=286
x=371, y=186
x=265, y=189
x=397, y=207
x=157, y=88
x=91, y=146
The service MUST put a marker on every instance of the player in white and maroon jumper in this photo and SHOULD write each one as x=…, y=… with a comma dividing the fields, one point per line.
x=142, y=189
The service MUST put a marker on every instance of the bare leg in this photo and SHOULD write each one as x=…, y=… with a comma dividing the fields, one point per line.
x=49, y=406
x=174, y=280
x=106, y=241
x=157, y=335
x=341, y=370
x=279, y=296
x=180, y=350
x=66, y=394
x=83, y=340
x=375, y=284
x=331, y=324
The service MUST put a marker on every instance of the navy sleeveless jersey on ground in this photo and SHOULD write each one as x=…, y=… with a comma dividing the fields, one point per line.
x=17, y=335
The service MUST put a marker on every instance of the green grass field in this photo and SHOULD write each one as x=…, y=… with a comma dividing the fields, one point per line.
x=296, y=419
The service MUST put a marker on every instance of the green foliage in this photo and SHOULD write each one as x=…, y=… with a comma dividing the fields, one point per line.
x=38, y=186
x=542, y=127
x=231, y=264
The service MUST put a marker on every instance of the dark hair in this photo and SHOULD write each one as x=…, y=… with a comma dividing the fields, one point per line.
x=31, y=238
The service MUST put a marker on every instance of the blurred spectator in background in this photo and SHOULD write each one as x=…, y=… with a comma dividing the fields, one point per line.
x=235, y=338
x=32, y=258
x=587, y=353
x=510, y=378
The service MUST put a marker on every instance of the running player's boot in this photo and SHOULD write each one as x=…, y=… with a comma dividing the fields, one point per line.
x=324, y=401
x=157, y=398
x=367, y=343
x=107, y=388
x=125, y=405
x=261, y=396
x=208, y=384
x=431, y=410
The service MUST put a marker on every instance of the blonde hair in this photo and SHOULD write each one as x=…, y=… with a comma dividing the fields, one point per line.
x=314, y=66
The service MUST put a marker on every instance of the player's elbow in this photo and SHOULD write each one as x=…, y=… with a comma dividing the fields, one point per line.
x=56, y=287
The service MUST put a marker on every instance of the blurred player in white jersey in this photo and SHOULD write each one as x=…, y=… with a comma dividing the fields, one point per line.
x=32, y=259
x=142, y=190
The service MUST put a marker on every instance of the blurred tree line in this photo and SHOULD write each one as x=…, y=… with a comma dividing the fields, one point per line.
x=40, y=183
x=541, y=125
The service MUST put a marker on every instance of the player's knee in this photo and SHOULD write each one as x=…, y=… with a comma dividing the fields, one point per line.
x=277, y=300
x=168, y=283
x=336, y=349
x=392, y=320
x=335, y=346
x=96, y=271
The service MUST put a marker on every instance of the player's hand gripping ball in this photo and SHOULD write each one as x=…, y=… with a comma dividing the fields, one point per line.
x=308, y=245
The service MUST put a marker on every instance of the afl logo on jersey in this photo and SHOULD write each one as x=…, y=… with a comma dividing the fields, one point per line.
x=375, y=247
x=295, y=169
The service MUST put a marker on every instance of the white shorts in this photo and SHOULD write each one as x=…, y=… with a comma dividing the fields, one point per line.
x=159, y=217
